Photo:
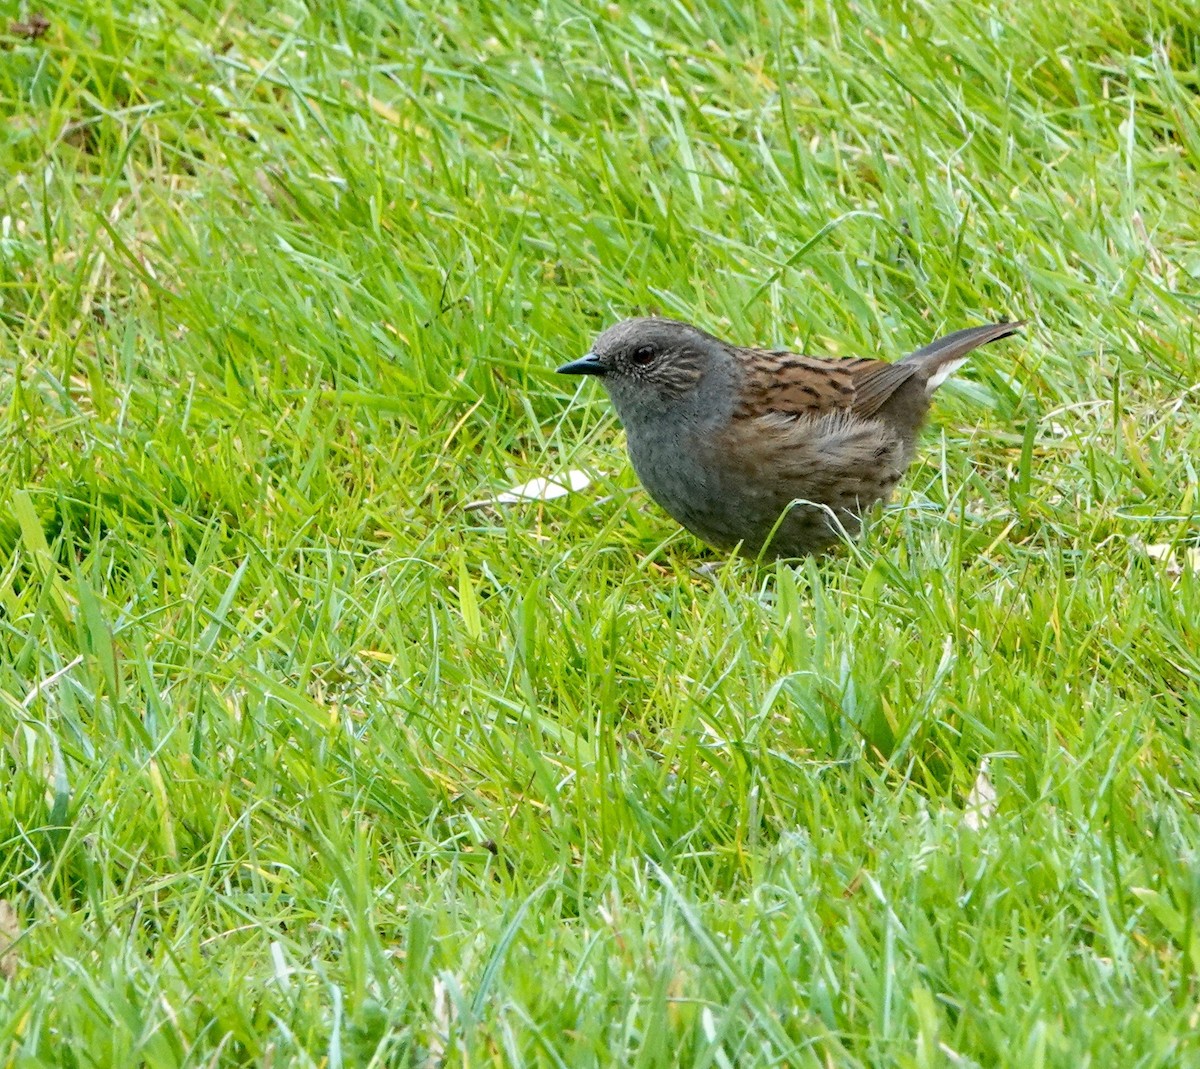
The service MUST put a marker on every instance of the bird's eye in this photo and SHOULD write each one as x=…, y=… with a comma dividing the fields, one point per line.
x=643, y=356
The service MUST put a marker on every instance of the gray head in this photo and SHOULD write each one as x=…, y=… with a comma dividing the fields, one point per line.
x=652, y=367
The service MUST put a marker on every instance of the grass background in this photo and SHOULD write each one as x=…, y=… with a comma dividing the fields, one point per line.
x=303, y=763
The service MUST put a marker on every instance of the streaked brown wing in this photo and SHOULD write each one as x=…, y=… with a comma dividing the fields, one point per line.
x=794, y=385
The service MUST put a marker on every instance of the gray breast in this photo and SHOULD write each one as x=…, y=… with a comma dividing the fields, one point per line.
x=677, y=473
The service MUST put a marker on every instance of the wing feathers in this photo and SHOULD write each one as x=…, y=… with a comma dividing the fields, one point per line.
x=793, y=385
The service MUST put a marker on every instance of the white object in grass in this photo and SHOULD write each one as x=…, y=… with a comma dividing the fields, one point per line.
x=539, y=489
x=981, y=802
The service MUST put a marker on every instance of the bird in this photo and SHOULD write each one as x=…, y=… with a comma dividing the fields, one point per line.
x=766, y=451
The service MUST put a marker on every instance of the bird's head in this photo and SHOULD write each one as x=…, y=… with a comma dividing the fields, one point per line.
x=650, y=365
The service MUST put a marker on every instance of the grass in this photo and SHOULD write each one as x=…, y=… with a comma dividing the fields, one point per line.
x=304, y=763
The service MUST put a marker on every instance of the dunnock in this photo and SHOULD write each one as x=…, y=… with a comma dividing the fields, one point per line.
x=764, y=447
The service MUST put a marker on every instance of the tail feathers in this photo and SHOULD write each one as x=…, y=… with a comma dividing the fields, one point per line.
x=938, y=360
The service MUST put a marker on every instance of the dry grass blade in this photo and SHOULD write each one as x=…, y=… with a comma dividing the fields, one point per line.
x=10, y=932
x=981, y=802
x=1176, y=559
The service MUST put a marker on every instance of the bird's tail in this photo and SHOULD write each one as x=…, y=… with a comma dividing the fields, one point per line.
x=939, y=359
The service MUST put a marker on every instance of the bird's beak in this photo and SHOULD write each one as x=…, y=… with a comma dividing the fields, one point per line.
x=587, y=365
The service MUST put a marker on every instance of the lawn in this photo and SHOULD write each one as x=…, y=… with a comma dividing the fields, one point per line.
x=305, y=762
